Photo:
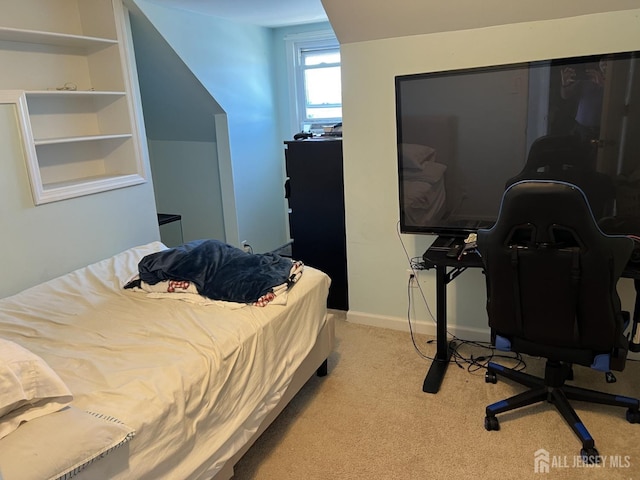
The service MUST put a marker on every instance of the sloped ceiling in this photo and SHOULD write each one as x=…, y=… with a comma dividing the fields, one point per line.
x=266, y=13
x=176, y=105
x=363, y=20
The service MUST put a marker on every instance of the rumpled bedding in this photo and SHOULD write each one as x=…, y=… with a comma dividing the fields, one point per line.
x=187, y=291
x=211, y=271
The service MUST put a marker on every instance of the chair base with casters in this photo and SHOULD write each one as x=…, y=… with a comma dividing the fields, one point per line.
x=554, y=390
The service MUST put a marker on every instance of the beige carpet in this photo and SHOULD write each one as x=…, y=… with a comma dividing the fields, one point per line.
x=369, y=419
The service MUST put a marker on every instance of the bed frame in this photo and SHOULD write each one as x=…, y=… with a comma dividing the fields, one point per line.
x=316, y=362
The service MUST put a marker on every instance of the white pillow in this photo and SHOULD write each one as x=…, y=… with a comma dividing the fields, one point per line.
x=60, y=445
x=415, y=155
x=29, y=388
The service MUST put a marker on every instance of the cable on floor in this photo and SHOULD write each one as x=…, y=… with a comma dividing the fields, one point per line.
x=473, y=363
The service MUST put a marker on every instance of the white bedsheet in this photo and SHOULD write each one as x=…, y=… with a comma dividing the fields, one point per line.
x=193, y=381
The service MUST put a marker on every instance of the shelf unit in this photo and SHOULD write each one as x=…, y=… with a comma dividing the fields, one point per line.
x=69, y=61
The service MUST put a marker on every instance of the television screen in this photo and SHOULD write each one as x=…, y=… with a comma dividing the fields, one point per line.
x=465, y=135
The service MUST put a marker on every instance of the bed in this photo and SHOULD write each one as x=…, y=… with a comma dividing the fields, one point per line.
x=160, y=387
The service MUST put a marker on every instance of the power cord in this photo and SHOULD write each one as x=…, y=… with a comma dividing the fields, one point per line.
x=412, y=278
x=455, y=344
x=415, y=265
x=480, y=362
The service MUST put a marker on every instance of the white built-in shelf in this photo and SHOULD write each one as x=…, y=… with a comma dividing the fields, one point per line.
x=83, y=138
x=77, y=141
x=73, y=93
x=87, y=181
x=56, y=39
x=56, y=191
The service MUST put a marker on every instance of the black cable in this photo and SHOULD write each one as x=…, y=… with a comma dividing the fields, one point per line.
x=480, y=362
x=415, y=273
x=416, y=264
x=409, y=302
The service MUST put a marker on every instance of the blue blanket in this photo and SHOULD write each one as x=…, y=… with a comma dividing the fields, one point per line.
x=218, y=270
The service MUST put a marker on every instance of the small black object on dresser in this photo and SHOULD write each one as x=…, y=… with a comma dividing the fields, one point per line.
x=315, y=190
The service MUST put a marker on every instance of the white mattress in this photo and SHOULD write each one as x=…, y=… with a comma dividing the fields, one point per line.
x=193, y=381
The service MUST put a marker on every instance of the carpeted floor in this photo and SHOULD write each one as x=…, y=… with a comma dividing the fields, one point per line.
x=369, y=419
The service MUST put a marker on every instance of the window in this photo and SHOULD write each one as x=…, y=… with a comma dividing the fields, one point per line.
x=316, y=90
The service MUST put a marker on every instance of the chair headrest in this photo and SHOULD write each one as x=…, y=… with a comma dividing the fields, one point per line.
x=547, y=208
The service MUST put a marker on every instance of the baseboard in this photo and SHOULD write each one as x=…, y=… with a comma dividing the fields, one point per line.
x=419, y=326
x=425, y=328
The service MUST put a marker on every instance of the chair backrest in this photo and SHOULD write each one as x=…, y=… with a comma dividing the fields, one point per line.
x=551, y=273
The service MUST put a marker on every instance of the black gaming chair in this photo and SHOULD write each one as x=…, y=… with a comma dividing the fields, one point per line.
x=551, y=279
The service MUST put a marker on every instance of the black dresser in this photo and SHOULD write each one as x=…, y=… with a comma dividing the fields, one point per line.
x=315, y=190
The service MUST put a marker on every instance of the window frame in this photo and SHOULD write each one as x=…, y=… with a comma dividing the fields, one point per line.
x=296, y=45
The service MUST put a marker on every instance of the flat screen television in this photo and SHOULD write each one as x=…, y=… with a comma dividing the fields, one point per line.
x=465, y=135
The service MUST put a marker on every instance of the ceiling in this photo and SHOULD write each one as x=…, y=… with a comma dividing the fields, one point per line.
x=266, y=13
x=364, y=20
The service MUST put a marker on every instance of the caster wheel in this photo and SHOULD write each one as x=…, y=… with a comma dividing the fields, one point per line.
x=590, y=456
x=490, y=377
x=491, y=423
x=633, y=416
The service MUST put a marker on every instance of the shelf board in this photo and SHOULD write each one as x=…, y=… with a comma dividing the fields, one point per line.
x=86, y=181
x=53, y=192
x=73, y=93
x=50, y=38
x=83, y=138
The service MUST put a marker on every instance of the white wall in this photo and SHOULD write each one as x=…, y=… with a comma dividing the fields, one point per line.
x=376, y=261
x=187, y=174
x=43, y=242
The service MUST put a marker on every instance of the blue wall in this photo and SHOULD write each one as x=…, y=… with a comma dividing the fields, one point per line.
x=234, y=63
x=179, y=116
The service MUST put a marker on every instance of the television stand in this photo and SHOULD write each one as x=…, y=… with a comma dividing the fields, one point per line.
x=447, y=268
